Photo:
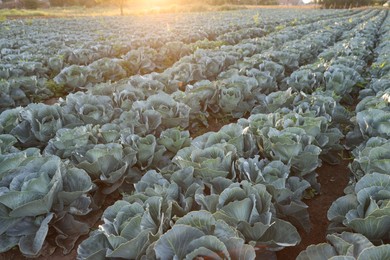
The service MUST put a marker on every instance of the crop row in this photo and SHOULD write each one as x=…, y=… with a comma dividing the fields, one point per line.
x=278, y=136
x=360, y=219
x=221, y=194
x=146, y=60
x=31, y=77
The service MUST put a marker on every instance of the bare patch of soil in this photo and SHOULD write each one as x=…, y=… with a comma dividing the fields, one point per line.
x=51, y=101
x=214, y=125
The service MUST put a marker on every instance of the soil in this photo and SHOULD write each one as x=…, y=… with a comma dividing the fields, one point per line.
x=333, y=180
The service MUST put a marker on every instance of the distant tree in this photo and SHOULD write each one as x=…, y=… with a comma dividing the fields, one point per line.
x=379, y=2
x=344, y=3
x=120, y=3
x=60, y=3
x=30, y=4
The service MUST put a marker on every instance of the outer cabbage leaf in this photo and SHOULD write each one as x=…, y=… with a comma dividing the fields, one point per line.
x=173, y=139
x=208, y=163
x=122, y=234
x=30, y=194
x=72, y=77
x=345, y=246
x=367, y=209
x=173, y=113
x=68, y=141
x=371, y=156
x=37, y=124
x=148, y=152
x=88, y=109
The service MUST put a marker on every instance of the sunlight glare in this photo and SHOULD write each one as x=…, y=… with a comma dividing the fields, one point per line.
x=151, y=4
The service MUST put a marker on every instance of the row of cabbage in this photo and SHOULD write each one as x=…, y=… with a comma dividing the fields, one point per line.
x=31, y=78
x=55, y=119
x=215, y=146
x=147, y=60
x=242, y=75
x=209, y=158
x=117, y=154
x=360, y=220
x=123, y=32
x=139, y=95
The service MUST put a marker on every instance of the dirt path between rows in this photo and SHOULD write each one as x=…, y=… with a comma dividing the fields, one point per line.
x=333, y=180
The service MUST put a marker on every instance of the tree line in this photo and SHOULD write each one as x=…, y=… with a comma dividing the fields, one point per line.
x=33, y=4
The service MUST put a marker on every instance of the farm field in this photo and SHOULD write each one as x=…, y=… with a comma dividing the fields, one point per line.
x=247, y=134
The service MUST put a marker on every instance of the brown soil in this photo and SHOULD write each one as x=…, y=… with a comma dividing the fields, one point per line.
x=333, y=180
x=214, y=125
x=51, y=101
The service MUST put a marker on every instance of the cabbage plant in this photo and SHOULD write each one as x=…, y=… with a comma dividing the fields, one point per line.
x=237, y=95
x=233, y=134
x=107, y=164
x=379, y=101
x=290, y=145
x=303, y=80
x=35, y=124
x=370, y=123
x=375, y=86
x=287, y=191
x=38, y=193
x=341, y=79
x=125, y=98
x=121, y=235
x=132, y=226
x=139, y=61
x=203, y=236
x=249, y=209
x=365, y=210
x=72, y=77
x=346, y=245
x=173, y=113
x=324, y=105
x=82, y=108
x=128, y=234
x=67, y=141
x=146, y=151
x=169, y=209
x=371, y=156
x=209, y=163
x=200, y=97
x=139, y=122
x=6, y=144
x=272, y=102
x=173, y=140
x=9, y=120
x=105, y=69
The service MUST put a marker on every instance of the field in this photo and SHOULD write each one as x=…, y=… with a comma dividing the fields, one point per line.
x=245, y=134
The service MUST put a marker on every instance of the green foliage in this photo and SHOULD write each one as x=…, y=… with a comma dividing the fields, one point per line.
x=30, y=4
x=57, y=89
x=54, y=3
x=60, y=3
x=345, y=3
x=206, y=44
